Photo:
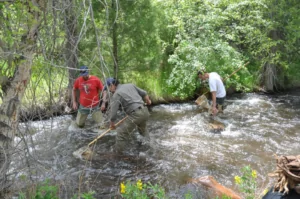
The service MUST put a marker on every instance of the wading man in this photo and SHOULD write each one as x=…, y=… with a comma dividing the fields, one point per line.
x=216, y=88
x=89, y=88
x=131, y=99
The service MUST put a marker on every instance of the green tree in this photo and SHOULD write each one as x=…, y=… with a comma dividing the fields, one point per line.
x=129, y=39
x=71, y=45
x=200, y=46
x=20, y=22
x=260, y=30
x=286, y=33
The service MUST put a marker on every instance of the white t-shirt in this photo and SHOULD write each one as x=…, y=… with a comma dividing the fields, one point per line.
x=216, y=84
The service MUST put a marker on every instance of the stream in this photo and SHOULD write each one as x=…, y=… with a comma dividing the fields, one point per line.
x=182, y=146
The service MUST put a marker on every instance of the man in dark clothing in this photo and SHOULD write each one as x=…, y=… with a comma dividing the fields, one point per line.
x=131, y=99
x=277, y=195
x=287, y=185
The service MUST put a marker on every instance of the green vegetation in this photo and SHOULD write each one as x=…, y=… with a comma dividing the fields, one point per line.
x=160, y=45
x=246, y=182
x=47, y=191
x=43, y=191
x=138, y=190
x=141, y=191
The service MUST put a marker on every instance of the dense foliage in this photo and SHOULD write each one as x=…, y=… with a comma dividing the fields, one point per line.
x=160, y=45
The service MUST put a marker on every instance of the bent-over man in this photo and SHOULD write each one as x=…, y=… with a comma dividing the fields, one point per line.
x=131, y=99
x=216, y=88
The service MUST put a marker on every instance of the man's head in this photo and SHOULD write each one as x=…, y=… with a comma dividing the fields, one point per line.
x=84, y=72
x=112, y=84
x=202, y=75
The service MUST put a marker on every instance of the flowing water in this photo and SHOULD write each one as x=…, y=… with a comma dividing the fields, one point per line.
x=182, y=146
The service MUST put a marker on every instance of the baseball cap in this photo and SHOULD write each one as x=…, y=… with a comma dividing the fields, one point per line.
x=108, y=82
x=84, y=71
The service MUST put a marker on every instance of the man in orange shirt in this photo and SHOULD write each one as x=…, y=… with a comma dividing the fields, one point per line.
x=90, y=88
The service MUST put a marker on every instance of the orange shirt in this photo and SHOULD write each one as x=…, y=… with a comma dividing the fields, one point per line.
x=89, y=90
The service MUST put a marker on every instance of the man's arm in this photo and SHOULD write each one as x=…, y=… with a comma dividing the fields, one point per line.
x=147, y=100
x=140, y=91
x=115, y=103
x=214, y=102
x=104, y=100
x=75, y=106
x=143, y=94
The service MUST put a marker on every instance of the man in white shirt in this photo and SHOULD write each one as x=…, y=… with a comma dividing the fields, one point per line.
x=216, y=88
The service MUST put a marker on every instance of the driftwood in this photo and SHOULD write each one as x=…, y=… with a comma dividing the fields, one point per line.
x=214, y=188
x=287, y=172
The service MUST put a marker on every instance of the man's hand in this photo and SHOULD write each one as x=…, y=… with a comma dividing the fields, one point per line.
x=214, y=111
x=147, y=100
x=112, y=126
x=75, y=107
x=103, y=106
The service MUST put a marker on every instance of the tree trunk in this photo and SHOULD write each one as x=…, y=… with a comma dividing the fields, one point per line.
x=115, y=41
x=273, y=77
x=9, y=109
x=9, y=112
x=269, y=77
x=71, y=45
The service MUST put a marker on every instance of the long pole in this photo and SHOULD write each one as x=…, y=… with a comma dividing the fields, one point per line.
x=97, y=138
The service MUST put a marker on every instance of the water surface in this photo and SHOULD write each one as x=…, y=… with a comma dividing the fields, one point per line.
x=182, y=146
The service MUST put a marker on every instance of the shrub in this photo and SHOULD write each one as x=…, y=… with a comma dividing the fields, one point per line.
x=247, y=182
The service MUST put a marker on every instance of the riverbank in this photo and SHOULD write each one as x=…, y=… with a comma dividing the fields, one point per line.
x=46, y=111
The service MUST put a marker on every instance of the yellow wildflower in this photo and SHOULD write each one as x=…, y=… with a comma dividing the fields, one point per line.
x=122, y=187
x=139, y=185
x=238, y=179
x=254, y=175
